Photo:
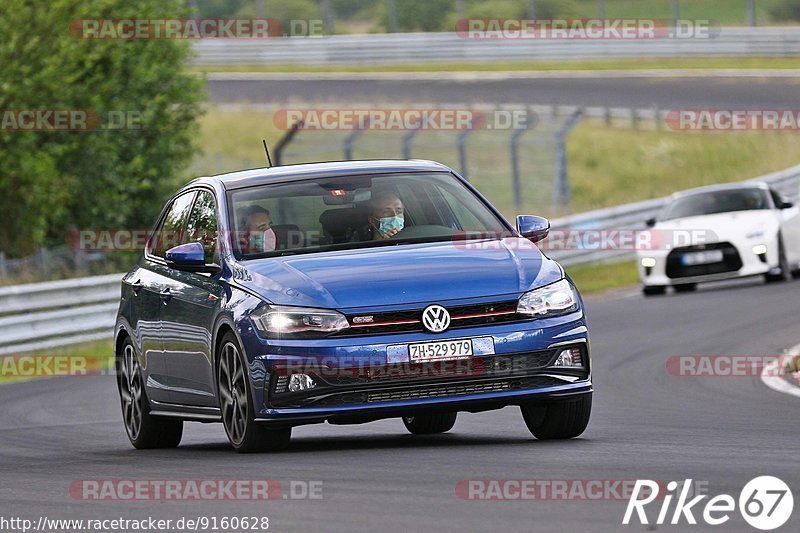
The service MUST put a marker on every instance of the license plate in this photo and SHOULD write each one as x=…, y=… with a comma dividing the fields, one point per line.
x=702, y=258
x=437, y=351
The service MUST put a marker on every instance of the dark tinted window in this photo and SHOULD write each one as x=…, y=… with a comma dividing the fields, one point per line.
x=170, y=232
x=202, y=224
x=709, y=203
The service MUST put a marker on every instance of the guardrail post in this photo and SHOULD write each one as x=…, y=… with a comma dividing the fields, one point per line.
x=561, y=193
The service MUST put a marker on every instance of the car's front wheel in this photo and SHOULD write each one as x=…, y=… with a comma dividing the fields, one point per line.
x=783, y=266
x=653, y=290
x=430, y=423
x=236, y=404
x=144, y=430
x=558, y=419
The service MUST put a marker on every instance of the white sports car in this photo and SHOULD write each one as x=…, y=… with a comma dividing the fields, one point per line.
x=720, y=232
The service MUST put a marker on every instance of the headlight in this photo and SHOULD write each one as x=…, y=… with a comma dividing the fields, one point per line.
x=283, y=320
x=558, y=298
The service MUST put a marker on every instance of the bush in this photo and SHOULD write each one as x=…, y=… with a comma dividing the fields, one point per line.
x=52, y=181
x=788, y=10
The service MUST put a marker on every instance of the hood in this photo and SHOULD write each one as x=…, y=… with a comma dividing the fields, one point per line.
x=404, y=274
x=719, y=227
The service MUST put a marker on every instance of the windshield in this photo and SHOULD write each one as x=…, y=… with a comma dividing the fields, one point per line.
x=708, y=203
x=356, y=212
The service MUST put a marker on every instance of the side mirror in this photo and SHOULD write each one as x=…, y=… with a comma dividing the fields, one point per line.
x=786, y=205
x=650, y=222
x=190, y=257
x=533, y=227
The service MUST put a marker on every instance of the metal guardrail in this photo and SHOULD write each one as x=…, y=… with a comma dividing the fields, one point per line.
x=398, y=48
x=37, y=316
x=633, y=216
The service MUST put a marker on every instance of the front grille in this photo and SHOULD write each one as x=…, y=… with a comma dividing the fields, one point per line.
x=411, y=321
x=731, y=261
x=438, y=391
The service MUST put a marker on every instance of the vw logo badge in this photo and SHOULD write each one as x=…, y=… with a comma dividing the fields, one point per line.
x=435, y=318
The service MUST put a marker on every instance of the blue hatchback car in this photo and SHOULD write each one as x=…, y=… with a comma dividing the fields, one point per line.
x=345, y=292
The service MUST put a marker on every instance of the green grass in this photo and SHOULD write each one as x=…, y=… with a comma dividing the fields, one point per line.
x=608, y=165
x=602, y=277
x=726, y=12
x=541, y=65
x=89, y=357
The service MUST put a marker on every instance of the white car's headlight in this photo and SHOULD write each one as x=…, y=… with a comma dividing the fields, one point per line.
x=558, y=298
x=284, y=320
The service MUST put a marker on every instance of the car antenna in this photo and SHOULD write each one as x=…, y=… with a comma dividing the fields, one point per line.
x=269, y=159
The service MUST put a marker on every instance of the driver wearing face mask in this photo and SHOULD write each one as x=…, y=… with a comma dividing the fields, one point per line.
x=386, y=215
x=258, y=236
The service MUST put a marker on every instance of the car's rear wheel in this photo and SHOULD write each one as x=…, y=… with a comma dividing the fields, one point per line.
x=428, y=424
x=686, y=287
x=144, y=430
x=236, y=404
x=783, y=266
x=558, y=419
x=653, y=290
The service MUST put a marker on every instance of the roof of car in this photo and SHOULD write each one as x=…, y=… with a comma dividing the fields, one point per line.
x=261, y=176
x=723, y=187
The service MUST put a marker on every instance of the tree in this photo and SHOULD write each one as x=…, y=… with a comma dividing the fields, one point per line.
x=53, y=181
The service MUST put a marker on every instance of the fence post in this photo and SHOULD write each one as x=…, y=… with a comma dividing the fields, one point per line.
x=676, y=11
x=515, y=175
x=751, y=13
x=3, y=269
x=408, y=138
x=351, y=139
x=392, y=16
x=285, y=140
x=461, y=141
x=531, y=9
x=601, y=9
x=327, y=17
x=43, y=261
x=561, y=193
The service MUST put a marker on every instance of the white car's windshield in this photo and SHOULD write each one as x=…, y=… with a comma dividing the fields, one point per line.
x=709, y=203
x=356, y=212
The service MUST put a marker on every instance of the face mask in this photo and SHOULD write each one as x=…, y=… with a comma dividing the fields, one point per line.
x=387, y=224
x=262, y=241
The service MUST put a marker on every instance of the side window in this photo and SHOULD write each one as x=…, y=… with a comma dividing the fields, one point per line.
x=776, y=198
x=202, y=224
x=168, y=234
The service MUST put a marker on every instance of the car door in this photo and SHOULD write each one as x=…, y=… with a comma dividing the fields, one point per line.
x=147, y=284
x=789, y=218
x=191, y=303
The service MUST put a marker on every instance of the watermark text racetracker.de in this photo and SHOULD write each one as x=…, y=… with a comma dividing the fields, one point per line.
x=585, y=29
x=404, y=119
x=194, y=489
x=707, y=119
x=193, y=28
x=76, y=120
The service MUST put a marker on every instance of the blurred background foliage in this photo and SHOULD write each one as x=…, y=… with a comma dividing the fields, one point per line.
x=54, y=181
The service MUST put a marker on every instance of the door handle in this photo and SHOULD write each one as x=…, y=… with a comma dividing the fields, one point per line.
x=165, y=295
x=137, y=287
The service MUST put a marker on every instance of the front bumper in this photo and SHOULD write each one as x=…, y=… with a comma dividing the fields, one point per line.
x=740, y=262
x=358, y=379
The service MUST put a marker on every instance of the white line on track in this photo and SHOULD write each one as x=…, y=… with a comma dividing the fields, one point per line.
x=774, y=381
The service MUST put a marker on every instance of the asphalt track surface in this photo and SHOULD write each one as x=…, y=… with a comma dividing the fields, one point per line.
x=646, y=423
x=624, y=90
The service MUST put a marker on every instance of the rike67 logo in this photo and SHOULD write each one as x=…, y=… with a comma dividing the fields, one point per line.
x=765, y=503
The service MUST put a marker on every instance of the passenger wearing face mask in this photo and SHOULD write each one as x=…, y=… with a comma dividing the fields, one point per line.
x=258, y=235
x=386, y=216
